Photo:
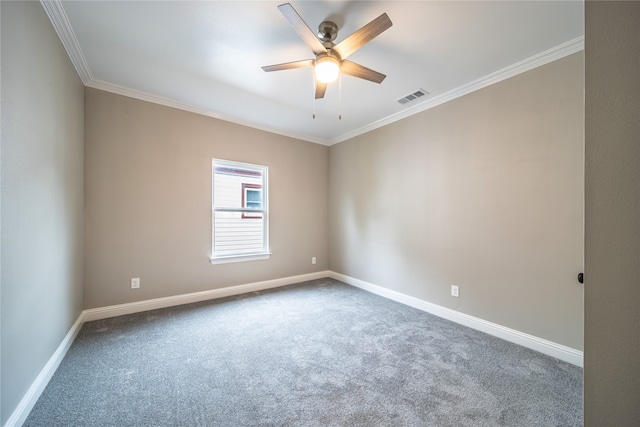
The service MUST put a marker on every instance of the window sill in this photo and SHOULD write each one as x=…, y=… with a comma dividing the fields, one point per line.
x=240, y=258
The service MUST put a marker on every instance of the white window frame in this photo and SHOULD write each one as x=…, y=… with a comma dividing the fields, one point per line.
x=264, y=252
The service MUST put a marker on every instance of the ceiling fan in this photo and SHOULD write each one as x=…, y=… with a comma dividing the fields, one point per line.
x=331, y=58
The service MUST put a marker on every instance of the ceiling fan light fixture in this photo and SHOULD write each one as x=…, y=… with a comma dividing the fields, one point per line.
x=327, y=69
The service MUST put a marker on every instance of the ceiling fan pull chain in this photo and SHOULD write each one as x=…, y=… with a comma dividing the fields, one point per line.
x=340, y=96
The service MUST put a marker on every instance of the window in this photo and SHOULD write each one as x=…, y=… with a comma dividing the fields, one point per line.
x=240, y=212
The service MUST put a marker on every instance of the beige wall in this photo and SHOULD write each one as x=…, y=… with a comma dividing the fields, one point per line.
x=148, y=200
x=42, y=197
x=612, y=214
x=484, y=192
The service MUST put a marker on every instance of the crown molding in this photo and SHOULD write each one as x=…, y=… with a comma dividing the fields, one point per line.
x=167, y=102
x=60, y=22
x=58, y=18
x=542, y=58
x=62, y=26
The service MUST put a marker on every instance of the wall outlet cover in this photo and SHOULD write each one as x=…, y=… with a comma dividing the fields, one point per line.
x=455, y=291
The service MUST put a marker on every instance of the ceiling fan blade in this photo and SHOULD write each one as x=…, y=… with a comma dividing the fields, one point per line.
x=302, y=28
x=363, y=36
x=289, y=65
x=357, y=70
x=321, y=88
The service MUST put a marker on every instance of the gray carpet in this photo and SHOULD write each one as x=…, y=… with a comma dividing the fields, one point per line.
x=320, y=353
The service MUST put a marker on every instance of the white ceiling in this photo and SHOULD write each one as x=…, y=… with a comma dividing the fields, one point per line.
x=205, y=56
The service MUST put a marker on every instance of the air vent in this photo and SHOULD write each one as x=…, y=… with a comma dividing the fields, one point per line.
x=412, y=96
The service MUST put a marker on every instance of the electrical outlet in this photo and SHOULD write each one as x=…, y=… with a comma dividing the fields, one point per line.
x=455, y=291
x=313, y=260
x=135, y=283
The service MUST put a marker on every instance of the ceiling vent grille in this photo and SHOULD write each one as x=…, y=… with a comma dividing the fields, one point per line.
x=412, y=96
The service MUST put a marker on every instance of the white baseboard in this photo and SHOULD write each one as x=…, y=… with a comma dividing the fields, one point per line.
x=543, y=346
x=152, y=304
x=31, y=397
x=37, y=387
x=28, y=401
